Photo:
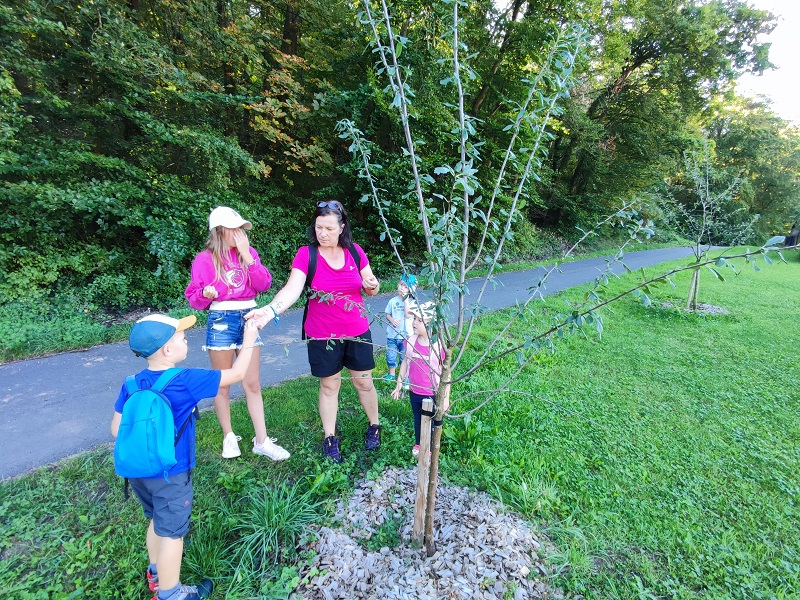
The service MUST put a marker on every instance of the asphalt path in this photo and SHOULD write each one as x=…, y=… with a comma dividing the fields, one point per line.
x=61, y=405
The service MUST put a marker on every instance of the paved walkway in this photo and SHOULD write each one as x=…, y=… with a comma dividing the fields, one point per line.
x=61, y=405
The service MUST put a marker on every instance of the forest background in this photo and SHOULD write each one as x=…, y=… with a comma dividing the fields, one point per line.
x=122, y=124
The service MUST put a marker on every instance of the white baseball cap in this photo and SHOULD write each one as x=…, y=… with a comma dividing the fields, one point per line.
x=225, y=216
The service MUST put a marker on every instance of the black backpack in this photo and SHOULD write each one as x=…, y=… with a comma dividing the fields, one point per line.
x=313, y=254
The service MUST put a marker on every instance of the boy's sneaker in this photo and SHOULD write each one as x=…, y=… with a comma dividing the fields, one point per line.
x=230, y=446
x=330, y=448
x=152, y=580
x=192, y=592
x=271, y=449
x=388, y=377
x=415, y=451
x=372, y=439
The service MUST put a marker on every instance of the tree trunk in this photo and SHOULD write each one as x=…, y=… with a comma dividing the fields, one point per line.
x=433, y=481
x=291, y=29
x=694, y=288
x=423, y=469
x=481, y=97
x=442, y=398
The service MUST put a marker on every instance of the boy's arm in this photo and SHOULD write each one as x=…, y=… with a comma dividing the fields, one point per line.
x=115, y=423
x=237, y=371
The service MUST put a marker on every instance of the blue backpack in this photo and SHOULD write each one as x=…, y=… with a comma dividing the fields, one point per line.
x=146, y=438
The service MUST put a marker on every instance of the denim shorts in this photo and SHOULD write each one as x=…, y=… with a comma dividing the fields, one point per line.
x=225, y=330
x=395, y=349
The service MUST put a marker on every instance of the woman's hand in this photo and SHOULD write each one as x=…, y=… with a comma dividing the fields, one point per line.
x=371, y=285
x=397, y=389
x=210, y=292
x=260, y=316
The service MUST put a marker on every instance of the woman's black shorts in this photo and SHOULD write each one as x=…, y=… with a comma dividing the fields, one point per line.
x=328, y=357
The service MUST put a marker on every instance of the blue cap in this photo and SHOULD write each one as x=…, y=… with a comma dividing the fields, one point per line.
x=410, y=280
x=152, y=332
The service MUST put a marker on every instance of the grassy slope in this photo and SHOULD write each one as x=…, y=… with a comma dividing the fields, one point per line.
x=663, y=460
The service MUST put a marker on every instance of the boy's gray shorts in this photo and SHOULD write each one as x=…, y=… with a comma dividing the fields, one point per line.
x=169, y=504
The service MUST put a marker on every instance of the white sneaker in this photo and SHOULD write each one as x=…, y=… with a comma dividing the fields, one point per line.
x=230, y=446
x=271, y=449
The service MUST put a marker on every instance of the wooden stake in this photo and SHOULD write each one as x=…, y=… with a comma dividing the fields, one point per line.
x=423, y=469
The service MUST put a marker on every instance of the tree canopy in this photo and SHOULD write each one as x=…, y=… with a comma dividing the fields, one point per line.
x=124, y=123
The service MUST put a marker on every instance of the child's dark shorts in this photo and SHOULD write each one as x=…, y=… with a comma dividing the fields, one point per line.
x=328, y=357
x=169, y=504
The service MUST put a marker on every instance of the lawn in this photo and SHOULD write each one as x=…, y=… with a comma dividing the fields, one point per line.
x=662, y=459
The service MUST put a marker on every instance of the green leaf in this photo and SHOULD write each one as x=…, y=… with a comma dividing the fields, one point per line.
x=775, y=240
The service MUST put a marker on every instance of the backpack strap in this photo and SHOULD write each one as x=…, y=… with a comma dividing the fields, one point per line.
x=131, y=385
x=161, y=383
x=313, y=257
x=164, y=379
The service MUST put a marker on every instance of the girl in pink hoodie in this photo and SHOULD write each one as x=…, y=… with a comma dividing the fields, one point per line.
x=226, y=278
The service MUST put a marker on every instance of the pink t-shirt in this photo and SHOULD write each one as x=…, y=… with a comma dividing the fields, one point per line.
x=424, y=370
x=337, y=310
x=241, y=283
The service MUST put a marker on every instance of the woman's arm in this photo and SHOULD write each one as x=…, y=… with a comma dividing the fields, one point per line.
x=370, y=283
x=282, y=301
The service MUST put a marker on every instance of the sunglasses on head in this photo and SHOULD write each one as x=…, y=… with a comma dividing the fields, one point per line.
x=333, y=204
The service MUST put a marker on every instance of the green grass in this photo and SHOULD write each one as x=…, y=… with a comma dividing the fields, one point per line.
x=662, y=459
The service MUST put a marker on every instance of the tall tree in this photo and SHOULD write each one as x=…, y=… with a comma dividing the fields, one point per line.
x=764, y=150
x=659, y=64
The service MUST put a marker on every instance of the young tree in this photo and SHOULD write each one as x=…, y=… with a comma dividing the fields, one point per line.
x=705, y=212
x=465, y=222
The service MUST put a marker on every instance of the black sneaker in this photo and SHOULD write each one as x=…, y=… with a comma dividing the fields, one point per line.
x=192, y=592
x=372, y=439
x=330, y=448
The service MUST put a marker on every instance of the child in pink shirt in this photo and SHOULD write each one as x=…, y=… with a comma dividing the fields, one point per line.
x=422, y=364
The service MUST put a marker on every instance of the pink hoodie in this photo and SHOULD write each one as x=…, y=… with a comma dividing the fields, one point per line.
x=241, y=283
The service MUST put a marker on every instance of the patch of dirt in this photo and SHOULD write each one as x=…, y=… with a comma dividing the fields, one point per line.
x=706, y=309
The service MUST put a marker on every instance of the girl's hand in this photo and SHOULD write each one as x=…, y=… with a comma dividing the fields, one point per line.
x=241, y=242
x=397, y=389
x=210, y=292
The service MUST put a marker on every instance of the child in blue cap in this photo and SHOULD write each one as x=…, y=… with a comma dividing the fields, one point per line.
x=167, y=501
x=399, y=320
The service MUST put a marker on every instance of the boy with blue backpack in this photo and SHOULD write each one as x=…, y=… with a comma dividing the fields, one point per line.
x=155, y=447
